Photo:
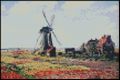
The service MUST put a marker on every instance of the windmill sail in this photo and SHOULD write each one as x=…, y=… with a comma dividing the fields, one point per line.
x=45, y=18
x=46, y=44
x=56, y=38
x=52, y=19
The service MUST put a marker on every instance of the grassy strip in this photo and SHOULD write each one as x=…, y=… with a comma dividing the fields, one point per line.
x=12, y=67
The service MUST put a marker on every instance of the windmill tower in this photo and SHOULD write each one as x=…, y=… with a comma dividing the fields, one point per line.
x=46, y=43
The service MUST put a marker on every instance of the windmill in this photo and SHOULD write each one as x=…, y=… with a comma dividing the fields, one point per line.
x=46, y=43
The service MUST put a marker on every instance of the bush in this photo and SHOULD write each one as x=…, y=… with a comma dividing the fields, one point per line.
x=60, y=53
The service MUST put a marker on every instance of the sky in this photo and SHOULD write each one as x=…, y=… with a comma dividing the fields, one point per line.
x=75, y=22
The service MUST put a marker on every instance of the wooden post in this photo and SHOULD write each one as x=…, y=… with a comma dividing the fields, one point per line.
x=53, y=52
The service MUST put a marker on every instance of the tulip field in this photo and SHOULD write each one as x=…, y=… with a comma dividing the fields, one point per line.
x=24, y=65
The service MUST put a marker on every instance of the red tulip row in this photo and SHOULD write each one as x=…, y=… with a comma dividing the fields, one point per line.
x=7, y=74
x=11, y=75
x=18, y=52
x=81, y=74
x=3, y=68
x=65, y=74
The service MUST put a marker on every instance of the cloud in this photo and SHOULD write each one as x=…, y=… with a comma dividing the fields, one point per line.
x=75, y=8
x=75, y=22
x=23, y=23
x=6, y=6
x=84, y=24
x=114, y=8
x=3, y=8
x=24, y=7
x=71, y=5
x=59, y=5
x=111, y=9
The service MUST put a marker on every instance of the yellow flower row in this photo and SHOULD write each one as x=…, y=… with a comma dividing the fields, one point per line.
x=77, y=67
x=33, y=66
x=26, y=56
x=6, y=54
x=7, y=59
